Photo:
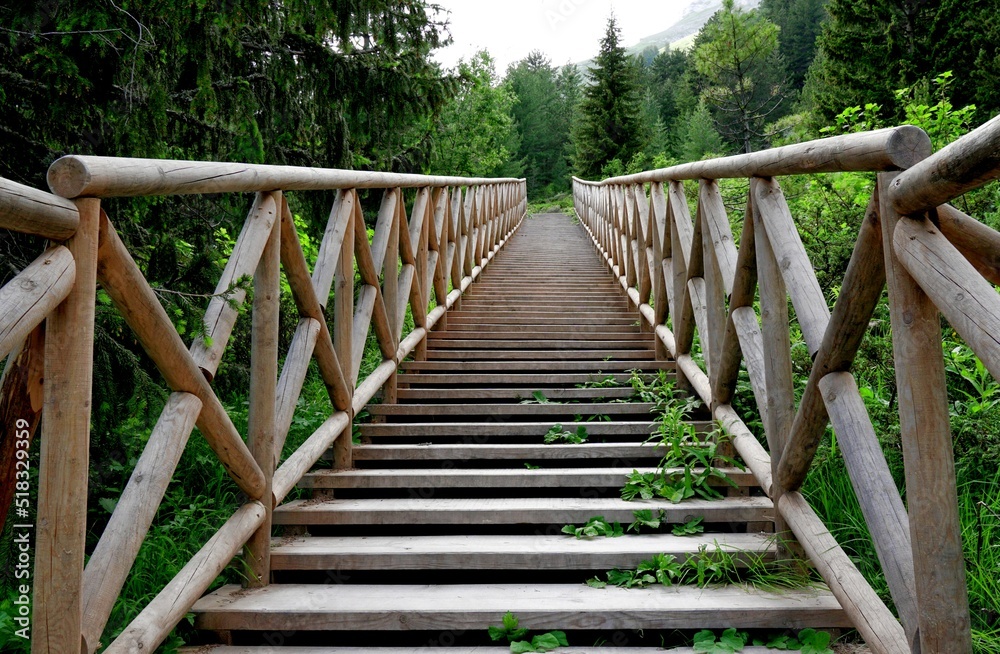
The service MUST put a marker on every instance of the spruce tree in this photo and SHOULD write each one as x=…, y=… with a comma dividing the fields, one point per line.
x=610, y=125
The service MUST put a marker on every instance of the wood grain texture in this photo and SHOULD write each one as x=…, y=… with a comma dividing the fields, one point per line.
x=942, y=596
x=30, y=211
x=26, y=300
x=61, y=518
x=549, y=606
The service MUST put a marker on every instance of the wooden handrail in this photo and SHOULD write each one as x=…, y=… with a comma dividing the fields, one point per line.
x=455, y=228
x=687, y=279
x=107, y=177
x=892, y=148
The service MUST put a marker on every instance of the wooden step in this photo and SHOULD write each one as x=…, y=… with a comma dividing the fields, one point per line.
x=596, y=428
x=488, y=341
x=590, y=367
x=536, y=381
x=339, y=607
x=493, y=478
x=594, y=357
x=267, y=649
x=474, y=452
x=514, y=394
x=489, y=552
x=555, y=410
x=561, y=334
x=512, y=510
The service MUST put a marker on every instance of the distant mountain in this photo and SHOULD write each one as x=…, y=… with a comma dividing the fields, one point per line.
x=681, y=34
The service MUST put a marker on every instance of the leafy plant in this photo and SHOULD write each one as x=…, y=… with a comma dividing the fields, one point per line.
x=606, y=382
x=645, y=518
x=730, y=641
x=596, y=526
x=517, y=637
x=556, y=434
x=689, y=528
x=809, y=641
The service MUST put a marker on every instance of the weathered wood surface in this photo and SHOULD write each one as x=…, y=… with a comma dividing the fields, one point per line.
x=30, y=211
x=61, y=518
x=33, y=293
x=336, y=607
x=939, y=568
x=892, y=148
x=21, y=398
x=489, y=552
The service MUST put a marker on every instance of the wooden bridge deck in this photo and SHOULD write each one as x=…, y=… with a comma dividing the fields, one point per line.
x=441, y=527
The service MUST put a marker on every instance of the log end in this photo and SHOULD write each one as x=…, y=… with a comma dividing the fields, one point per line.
x=68, y=176
x=907, y=146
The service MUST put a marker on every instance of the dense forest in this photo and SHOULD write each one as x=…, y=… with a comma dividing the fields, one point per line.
x=353, y=84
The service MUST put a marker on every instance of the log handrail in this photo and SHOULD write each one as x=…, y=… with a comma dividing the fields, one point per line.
x=688, y=280
x=455, y=228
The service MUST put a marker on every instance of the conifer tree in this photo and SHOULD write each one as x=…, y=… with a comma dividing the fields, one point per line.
x=610, y=125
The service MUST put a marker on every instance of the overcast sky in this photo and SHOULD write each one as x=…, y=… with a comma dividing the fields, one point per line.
x=566, y=30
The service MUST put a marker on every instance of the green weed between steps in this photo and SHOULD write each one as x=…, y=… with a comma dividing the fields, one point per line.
x=517, y=636
x=808, y=641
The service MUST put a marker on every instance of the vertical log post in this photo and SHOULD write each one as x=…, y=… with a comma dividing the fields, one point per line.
x=61, y=522
x=777, y=352
x=343, y=328
x=928, y=457
x=263, y=388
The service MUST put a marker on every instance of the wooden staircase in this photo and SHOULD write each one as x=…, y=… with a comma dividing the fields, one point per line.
x=443, y=527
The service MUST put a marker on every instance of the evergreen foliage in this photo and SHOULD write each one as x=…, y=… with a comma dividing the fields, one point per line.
x=543, y=118
x=873, y=47
x=476, y=136
x=610, y=125
x=799, y=22
x=737, y=54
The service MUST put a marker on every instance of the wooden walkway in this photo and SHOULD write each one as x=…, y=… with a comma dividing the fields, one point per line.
x=453, y=513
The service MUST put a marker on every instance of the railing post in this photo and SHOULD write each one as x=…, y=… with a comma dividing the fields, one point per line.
x=263, y=389
x=928, y=457
x=343, y=329
x=61, y=521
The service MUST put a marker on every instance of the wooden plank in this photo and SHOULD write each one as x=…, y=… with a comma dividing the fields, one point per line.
x=549, y=606
x=641, y=428
x=488, y=552
x=265, y=649
x=293, y=376
x=343, y=324
x=61, y=519
x=291, y=471
x=503, y=451
x=27, y=299
x=577, y=408
x=557, y=394
x=939, y=568
x=512, y=510
x=493, y=478
x=596, y=356
x=115, y=553
x=537, y=381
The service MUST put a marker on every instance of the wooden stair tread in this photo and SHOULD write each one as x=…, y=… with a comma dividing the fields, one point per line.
x=512, y=510
x=546, y=365
x=582, y=408
x=429, y=451
x=639, y=428
x=489, y=478
x=539, y=606
x=266, y=649
x=492, y=552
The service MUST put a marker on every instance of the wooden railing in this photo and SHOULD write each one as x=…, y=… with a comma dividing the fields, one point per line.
x=934, y=259
x=455, y=227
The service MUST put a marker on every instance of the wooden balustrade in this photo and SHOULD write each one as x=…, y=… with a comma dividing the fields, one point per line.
x=689, y=280
x=455, y=227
